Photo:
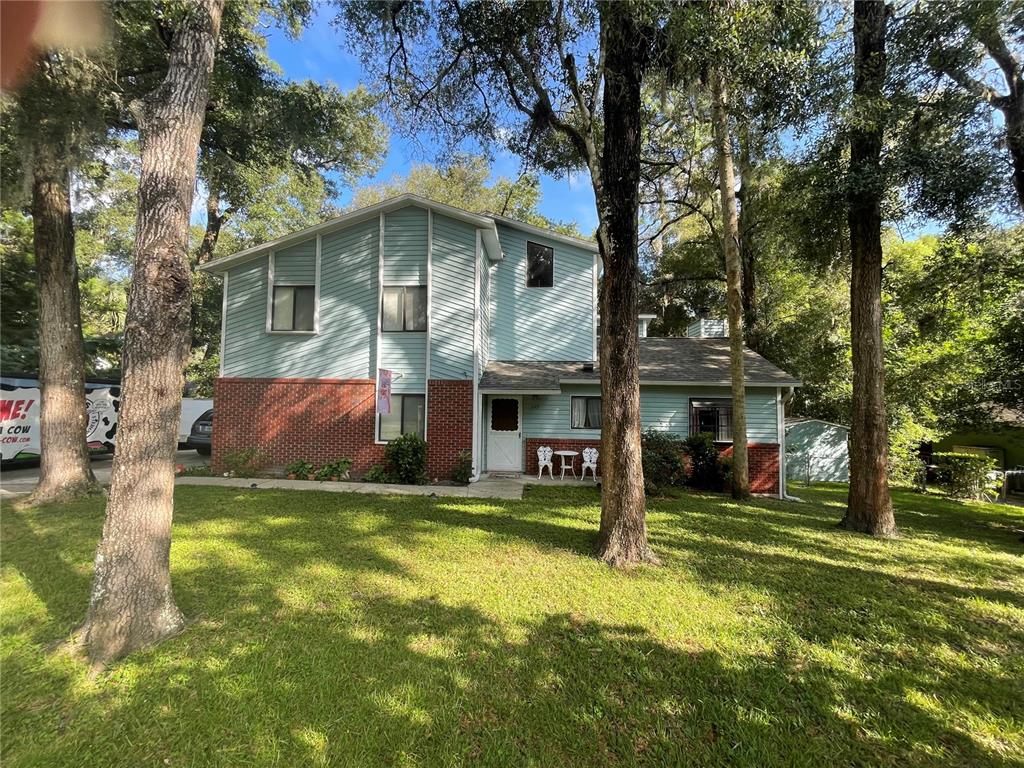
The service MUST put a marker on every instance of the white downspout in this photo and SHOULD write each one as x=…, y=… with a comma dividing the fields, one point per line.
x=476, y=361
x=782, y=401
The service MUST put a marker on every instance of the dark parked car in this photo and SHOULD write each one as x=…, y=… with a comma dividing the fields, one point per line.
x=201, y=437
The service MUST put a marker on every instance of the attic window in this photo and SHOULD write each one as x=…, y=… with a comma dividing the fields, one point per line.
x=540, y=266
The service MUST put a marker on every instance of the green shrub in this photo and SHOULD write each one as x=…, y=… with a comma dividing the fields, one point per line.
x=706, y=468
x=407, y=459
x=301, y=469
x=337, y=470
x=376, y=474
x=964, y=475
x=463, y=467
x=662, y=457
x=247, y=462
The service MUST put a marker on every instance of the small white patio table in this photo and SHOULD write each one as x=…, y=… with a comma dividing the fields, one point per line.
x=571, y=456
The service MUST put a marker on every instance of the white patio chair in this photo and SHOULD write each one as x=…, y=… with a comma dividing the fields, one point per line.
x=589, y=461
x=544, y=460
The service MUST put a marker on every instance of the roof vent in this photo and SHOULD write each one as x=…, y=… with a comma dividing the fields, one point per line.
x=588, y=367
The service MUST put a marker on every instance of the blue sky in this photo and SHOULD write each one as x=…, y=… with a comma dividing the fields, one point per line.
x=321, y=55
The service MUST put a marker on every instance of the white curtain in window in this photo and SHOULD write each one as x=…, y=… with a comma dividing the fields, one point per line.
x=579, y=412
x=594, y=412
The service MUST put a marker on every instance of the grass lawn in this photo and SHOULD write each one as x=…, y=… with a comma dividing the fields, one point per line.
x=339, y=629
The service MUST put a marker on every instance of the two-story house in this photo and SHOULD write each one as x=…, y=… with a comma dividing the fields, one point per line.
x=489, y=327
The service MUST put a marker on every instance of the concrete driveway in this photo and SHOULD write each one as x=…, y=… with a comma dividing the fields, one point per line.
x=24, y=479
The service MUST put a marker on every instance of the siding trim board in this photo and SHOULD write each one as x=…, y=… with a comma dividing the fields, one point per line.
x=270, y=291
x=430, y=291
x=223, y=320
x=316, y=288
x=377, y=312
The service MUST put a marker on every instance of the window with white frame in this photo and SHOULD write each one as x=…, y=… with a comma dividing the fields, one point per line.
x=407, y=415
x=293, y=308
x=403, y=308
x=712, y=416
x=585, y=412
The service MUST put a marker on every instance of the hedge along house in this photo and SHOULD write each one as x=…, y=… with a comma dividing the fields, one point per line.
x=489, y=327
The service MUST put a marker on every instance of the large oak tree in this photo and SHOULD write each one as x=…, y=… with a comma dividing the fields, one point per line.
x=132, y=604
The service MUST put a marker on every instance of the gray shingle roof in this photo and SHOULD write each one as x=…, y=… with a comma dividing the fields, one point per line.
x=698, y=361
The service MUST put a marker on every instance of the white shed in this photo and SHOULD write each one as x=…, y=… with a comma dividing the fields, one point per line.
x=816, y=450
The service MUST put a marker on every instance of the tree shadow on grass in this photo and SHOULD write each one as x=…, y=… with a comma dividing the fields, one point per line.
x=423, y=682
x=300, y=656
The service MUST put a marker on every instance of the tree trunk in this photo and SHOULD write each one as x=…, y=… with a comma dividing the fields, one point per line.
x=733, y=284
x=132, y=603
x=64, y=470
x=623, y=533
x=748, y=238
x=869, y=507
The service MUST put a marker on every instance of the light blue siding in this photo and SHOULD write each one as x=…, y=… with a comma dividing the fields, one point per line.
x=344, y=348
x=348, y=300
x=296, y=265
x=405, y=354
x=663, y=408
x=451, y=301
x=405, y=247
x=541, y=323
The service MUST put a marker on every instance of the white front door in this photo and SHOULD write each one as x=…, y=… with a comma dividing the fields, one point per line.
x=504, y=434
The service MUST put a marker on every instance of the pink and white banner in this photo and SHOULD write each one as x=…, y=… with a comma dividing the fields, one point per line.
x=383, y=391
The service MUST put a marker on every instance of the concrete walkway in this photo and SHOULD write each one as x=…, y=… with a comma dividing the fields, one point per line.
x=486, y=488
x=21, y=481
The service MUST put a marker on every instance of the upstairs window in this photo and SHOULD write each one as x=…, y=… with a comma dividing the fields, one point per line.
x=540, y=266
x=585, y=412
x=293, y=308
x=407, y=415
x=404, y=308
x=713, y=417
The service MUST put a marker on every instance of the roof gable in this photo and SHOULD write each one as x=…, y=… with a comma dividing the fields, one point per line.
x=486, y=223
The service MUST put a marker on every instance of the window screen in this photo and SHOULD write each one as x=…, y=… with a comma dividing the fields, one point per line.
x=404, y=308
x=540, y=266
x=713, y=417
x=407, y=415
x=293, y=308
x=585, y=412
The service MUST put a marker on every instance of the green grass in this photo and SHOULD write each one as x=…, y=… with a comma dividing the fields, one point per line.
x=350, y=630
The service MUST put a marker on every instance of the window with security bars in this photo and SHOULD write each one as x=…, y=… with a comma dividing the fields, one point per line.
x=713, y=417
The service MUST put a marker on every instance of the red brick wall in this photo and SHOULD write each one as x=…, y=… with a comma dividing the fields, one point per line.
x=449, y=424
x=763, y=466
x=316, y=419
x=559, y=444
x=763, y=459
x=326, y=419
